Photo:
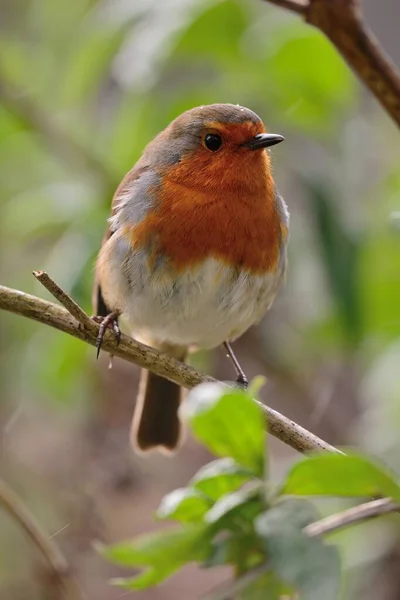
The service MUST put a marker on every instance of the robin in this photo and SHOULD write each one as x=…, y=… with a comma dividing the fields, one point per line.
x=194, y=251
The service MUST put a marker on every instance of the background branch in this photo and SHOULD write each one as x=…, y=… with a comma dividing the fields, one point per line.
x=56, y=561
x=343, y=23
x=129, y=349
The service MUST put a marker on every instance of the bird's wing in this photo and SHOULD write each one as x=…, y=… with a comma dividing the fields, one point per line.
x=123, y=193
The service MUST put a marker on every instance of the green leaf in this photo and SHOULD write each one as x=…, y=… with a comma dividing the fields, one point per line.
x=184, y=504
x=163, y=552
x=266, y=587
x=309, y=564
x=241, y=506
x=150, y=577
x=239, y=548
x=299, y=513
x=220, y=477
x=340, y=475
x=228, y=422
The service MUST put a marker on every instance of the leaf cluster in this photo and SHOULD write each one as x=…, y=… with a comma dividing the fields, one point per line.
x=230, y=514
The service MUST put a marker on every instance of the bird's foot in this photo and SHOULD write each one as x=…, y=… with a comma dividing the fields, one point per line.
x=108, y=322
x=241, y=379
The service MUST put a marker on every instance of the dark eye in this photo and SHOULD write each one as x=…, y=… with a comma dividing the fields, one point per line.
x=213, y=142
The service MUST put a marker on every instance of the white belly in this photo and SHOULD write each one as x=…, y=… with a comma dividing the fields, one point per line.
x=203, y=306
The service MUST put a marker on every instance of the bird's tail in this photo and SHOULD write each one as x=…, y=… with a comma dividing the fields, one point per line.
x=155, y=421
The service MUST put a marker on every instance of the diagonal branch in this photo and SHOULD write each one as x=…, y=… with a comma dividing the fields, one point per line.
x=357, y=514
x=58, y=565
x=343, y=23
x=129, y=349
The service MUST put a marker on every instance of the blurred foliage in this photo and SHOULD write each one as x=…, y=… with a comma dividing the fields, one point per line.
x=231, y=514
x=85, y=84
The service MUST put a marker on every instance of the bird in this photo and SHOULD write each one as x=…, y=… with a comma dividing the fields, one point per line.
x=194, y=251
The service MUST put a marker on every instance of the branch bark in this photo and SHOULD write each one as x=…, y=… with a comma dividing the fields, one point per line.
x=58, y=565
x=343, y=23
x=129, y=349
x=357, y=514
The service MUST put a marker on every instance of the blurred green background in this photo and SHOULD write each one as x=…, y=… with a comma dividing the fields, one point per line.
x=84, y=85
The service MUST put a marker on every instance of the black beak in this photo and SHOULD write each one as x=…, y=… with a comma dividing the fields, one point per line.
x=264, y=140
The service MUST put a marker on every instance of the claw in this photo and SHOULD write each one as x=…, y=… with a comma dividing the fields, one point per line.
x=242, y=381
x=111, y=322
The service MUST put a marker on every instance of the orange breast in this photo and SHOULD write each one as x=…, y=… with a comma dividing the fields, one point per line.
x=214, y=208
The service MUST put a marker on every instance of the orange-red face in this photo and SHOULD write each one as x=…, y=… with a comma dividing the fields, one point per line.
x=222, y=159
x=218, y=146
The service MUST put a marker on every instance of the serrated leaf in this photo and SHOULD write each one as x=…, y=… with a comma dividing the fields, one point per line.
x=184, y=504
x=308, y=564
x=228, y=422
x=340, y=475
x=163, y=552
x=220, y=477
x=245, y=504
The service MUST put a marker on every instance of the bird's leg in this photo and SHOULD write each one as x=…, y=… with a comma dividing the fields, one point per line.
x=109, y=321
x=241, y=377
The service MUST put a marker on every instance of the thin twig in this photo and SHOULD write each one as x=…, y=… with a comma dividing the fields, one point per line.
x=293, y=434
x=59, y=567
x=357, y=514
x=343, y=23
x=72, y=307
x=129, y=349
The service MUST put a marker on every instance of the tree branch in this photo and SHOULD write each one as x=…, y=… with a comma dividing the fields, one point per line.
x=129, y=349
x=359, y=513
x=56, y=561
x=342, y=22
x=72, y=307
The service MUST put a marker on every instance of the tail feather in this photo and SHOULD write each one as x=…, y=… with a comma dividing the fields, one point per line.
x=156, y=423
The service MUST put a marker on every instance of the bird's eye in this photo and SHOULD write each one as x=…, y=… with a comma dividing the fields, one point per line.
x=213, y=142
